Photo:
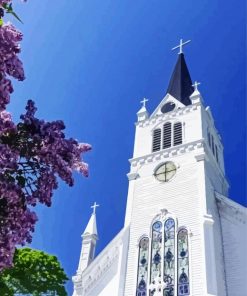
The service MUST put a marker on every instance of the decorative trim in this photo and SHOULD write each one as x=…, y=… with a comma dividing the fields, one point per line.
x=200, y=157
x=166, y=153
x=133, y=176
x=168, y=116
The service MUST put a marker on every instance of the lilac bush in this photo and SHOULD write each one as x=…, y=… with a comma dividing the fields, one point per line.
x=33, y=153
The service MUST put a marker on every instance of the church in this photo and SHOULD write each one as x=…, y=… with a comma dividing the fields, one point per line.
x=182, y=234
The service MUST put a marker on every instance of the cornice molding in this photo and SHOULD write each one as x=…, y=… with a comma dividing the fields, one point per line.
x=231, y=209
x=168, y=116
x=167, y=153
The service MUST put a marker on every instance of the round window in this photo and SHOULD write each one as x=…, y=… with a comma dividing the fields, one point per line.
x=165, y=172
x=168, y=107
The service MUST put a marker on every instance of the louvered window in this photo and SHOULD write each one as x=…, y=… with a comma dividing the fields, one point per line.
x=209, y=139
x=177, y=133
x=213, y=145
x=216, y=153
x=156, y=139
x=167, y=135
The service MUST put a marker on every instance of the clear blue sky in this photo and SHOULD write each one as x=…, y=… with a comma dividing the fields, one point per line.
x=89, y=62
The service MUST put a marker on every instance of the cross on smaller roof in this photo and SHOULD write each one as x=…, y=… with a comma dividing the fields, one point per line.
x=195, y=85
x=180, y=46
x=144, y=102
x=94, y=206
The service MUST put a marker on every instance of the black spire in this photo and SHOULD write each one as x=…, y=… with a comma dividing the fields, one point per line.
x=180, y=86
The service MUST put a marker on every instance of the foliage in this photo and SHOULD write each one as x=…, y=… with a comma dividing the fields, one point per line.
x=34, y=273
x=33, y=152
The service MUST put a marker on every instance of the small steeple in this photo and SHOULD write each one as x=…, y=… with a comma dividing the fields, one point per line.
x=196, y=95
x=91, y=228
x=89, y=239
x=142, y=114
x=180, y=86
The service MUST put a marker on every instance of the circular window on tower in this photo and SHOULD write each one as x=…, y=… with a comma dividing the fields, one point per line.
x=165, y=172
x=168, y=107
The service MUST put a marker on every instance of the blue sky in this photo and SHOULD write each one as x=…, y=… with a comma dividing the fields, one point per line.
x=90, y=62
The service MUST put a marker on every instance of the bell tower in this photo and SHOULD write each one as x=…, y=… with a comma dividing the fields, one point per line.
x=177, y=166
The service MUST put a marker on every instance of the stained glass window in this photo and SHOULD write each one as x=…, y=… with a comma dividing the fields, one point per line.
x=155, y=266
x=183, y=263
x=169, y=257
x=167, y=264
x=142, y=276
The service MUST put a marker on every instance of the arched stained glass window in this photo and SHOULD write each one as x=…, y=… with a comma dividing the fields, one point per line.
x=169, y=257
x=156, y=245
x=183, y=263
x=142, y=275
x=167, y=135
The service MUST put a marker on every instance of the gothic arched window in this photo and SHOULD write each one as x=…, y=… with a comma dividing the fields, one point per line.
x=142, y=275
x=156, y=245
x=177, y=133
x=169, y=256
x=183, y=263
x=166, y=271
x=167, y=135
x=156, y=139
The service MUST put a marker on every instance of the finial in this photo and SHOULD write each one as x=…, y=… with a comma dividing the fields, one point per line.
x=144, y=102
x=195, y=85
x=94, y=206
x=180, y=46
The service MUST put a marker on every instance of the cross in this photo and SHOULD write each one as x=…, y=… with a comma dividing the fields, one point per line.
x=144, y=102
x=94, y=207
x=180, y=46
x=195, y=85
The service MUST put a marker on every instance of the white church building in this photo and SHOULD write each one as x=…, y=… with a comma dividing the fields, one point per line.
x=182, y=234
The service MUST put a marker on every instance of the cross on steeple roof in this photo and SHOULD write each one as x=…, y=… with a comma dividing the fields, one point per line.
x=195, y=85
x=144, y=102
x=180, y=85
x=94, y=206
x=180, y=46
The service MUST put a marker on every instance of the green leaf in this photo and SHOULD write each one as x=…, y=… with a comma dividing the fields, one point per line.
x=1, y=22
x=16, y=16
x=34, y=273
x=9, y=9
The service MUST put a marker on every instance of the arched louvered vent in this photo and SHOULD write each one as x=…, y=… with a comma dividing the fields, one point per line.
x=177, y=133
x=167, y=135
x=156, y=139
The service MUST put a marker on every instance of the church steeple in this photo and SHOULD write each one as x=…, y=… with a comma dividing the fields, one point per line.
x=89, y=239
x=180, y=86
